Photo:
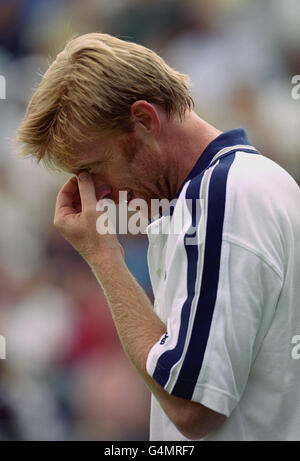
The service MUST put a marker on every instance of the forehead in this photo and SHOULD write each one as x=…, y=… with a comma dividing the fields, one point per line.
x=85, y=155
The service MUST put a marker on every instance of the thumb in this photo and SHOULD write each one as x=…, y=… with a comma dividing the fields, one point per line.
x=87, y=192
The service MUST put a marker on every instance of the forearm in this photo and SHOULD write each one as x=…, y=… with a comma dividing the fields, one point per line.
x=138, y=326
x=135, y=320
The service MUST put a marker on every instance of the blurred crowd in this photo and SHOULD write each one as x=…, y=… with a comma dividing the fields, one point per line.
x=65, y=376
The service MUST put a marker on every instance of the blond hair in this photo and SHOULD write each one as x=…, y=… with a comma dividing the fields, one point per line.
x=89, y=89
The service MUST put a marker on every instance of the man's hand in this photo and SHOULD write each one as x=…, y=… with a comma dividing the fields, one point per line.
x=76, y=220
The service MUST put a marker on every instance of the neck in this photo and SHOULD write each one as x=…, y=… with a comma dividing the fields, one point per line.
x=185, y=143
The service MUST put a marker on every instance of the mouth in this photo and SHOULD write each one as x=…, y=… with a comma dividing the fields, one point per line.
x=130, y=196
x=141, y=206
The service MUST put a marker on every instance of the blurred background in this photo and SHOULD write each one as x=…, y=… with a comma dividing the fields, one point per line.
x=65, y=376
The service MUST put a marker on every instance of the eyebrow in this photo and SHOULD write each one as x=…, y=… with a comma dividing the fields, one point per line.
x=88, y=166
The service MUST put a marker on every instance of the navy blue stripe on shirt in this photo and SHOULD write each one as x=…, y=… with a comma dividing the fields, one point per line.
x=190, y=369
x=170, y=357
x=187, y=377
x=198, y=165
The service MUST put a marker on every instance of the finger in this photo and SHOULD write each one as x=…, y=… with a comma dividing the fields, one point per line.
x=76, y=202
x=66, y=194
x=87, y=192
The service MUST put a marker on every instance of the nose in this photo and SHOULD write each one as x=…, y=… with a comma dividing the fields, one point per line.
x=103, y=191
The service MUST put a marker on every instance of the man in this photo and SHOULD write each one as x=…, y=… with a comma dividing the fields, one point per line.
x=216, y=350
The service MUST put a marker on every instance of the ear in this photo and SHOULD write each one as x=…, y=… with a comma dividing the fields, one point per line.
x=145, y=118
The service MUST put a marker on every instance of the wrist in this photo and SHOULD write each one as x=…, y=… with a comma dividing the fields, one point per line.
x=103, y=262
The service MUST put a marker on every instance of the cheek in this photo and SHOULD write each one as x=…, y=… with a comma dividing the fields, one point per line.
x=129, y=146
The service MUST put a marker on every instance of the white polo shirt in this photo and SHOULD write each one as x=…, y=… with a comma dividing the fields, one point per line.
x=224, y=264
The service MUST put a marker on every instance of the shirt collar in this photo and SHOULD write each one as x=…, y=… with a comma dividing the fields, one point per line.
x=229, y=139
x=226, y=142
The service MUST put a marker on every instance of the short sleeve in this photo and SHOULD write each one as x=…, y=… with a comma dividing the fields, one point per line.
x=207, y=356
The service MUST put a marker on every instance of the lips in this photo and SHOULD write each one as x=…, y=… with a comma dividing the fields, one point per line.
x=130, y=196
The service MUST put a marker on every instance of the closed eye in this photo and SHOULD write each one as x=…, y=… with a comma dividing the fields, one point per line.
x=84, y=170
x=88, y=168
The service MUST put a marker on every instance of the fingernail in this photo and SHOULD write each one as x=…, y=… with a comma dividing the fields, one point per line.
x=84, y=176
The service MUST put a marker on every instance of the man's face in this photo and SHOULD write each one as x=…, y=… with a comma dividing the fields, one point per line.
x=124, y=164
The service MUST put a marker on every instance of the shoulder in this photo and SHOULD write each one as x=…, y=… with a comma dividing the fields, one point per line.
x=257, y=174
x=241, y=174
